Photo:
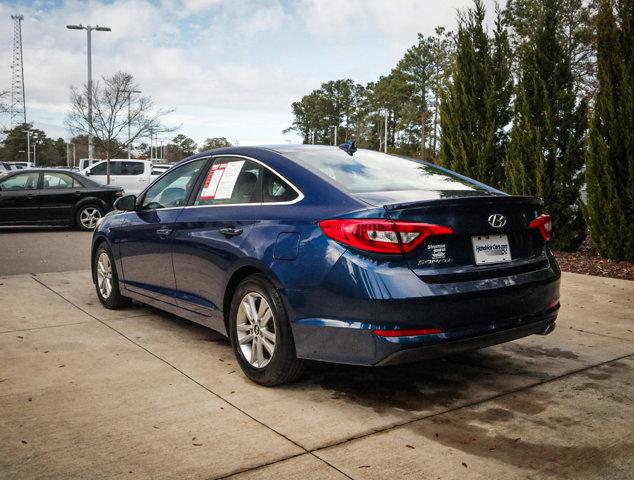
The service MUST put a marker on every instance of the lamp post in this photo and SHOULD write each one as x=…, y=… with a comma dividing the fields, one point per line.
x=28, y=147
x=335, y=128
x=130, y=92
x=89, y=30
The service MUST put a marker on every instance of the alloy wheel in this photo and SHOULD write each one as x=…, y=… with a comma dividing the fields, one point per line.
x=89, y=217
x=255, y=330
x=104, y=275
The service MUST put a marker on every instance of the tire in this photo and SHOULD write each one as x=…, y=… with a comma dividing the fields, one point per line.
x=110, y=297
x=269, y=369
x=87, y=216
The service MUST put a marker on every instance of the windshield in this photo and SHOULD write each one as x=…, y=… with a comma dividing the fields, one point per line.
x=369, y=171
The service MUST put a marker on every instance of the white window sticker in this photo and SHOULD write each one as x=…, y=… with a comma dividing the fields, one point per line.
x=228, y=180
x=211, y=182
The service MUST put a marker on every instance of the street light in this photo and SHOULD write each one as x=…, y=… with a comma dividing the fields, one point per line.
x=335, y=127
x=130, y=92
x=68, y=162
x=89, y=30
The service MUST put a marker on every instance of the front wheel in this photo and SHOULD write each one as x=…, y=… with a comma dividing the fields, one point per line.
x=107, y=280
x=261, y=334
x=87, y=217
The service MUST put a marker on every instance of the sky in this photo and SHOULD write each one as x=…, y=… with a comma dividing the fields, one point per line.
x=228, y=68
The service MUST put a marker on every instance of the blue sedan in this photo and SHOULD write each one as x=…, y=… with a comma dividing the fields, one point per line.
x=335, y=254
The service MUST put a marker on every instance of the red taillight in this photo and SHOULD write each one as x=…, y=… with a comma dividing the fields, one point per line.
x=407, y=333
x=545, y=225
x=381, y=236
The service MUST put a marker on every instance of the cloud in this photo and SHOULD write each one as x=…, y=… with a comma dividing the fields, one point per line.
x=233, y=65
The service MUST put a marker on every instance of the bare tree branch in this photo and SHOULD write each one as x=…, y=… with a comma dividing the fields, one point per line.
x=111, y=99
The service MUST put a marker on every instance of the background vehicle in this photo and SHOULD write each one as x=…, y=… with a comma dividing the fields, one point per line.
x=159, y=169
x=132, y=175
x=6, y=167
x=53, y=197
x=333, y=254
x=21, y=165
x=87, y=162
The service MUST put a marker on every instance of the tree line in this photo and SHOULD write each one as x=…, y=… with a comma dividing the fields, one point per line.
x=541, y=103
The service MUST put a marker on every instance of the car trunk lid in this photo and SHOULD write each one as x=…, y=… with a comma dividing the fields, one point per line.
x=458, y=257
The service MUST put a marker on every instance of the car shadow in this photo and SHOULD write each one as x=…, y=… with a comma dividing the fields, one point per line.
x=37, y=228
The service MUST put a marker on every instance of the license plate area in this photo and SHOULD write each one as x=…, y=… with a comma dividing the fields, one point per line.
x=490, y=249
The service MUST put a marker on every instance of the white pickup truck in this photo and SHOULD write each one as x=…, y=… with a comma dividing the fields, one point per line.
x=132, y=175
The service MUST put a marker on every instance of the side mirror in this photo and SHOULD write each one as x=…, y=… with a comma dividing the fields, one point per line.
x=87, y=173
x=126, y=203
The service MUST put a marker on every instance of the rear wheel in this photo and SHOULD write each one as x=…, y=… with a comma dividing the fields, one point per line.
x=87, y=217
x=107, y=280
x=261, y=334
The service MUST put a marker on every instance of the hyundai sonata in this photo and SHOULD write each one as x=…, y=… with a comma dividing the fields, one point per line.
x=335, y=254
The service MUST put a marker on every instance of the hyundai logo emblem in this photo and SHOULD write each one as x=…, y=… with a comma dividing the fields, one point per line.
x=497, y=220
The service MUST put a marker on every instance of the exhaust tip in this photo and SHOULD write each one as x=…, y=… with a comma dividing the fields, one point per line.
x=548, y=329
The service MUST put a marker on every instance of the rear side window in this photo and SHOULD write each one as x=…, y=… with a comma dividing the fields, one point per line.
x=21, y=181
x=130, y=168
x=369, y=171
x=59, y=180
x=230, y=181
x=274, y=189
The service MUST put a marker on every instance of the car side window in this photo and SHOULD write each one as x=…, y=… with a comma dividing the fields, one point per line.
x=230, y=181
x=21, y=181
x=58, y=180
x=100, y=169
x=274, y=189
x=173, y=189
x=130, y=168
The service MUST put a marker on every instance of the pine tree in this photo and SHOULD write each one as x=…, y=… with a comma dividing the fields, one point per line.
x=472, y=108
x=549, y=117
x=610, y=153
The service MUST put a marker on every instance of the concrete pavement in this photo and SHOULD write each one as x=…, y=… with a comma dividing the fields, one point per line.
x=91, y=393
x=43, y=249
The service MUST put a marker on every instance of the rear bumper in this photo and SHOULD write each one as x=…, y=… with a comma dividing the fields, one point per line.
x=543, y=326
x=356, y=344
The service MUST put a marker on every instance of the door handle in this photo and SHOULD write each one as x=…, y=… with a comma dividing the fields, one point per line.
x=29, y=195
x=163, y=232
x=230, y=231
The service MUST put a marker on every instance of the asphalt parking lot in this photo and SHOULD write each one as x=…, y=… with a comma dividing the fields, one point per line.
x=90, y=393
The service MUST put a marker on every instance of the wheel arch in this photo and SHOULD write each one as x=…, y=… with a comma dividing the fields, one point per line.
x=234, y=279
x=96, y=243
x=89, y=201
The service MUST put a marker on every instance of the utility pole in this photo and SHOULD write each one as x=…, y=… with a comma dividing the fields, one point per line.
x=335, y=128
x=130, y=92
x=18, y=104
x=386, y=120
x=89, y=30
x=28, y=146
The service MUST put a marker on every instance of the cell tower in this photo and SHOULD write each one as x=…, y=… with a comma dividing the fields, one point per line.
x=18, y=106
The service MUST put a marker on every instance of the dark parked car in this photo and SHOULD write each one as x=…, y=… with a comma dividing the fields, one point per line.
x=332, y=254
x=53, y=197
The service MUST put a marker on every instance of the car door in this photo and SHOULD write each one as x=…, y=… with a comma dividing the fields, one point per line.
x=19, y=198
x=209, y=234
x=58, y=195
x=133, y=176
x=147, y=239
x=99, y=172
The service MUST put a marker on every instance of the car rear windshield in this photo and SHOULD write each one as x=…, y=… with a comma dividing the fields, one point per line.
x=369, y=171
